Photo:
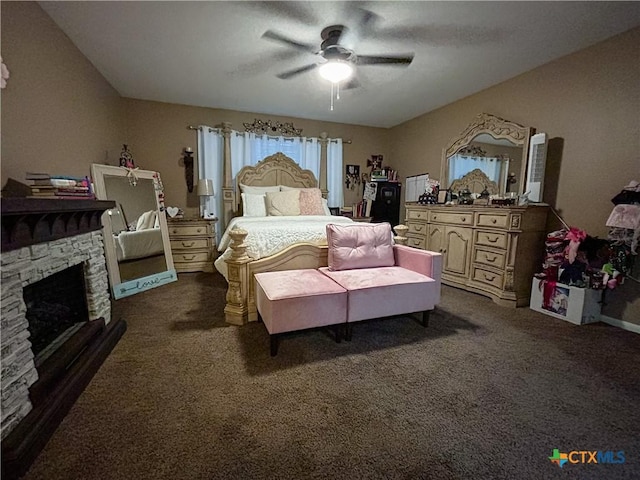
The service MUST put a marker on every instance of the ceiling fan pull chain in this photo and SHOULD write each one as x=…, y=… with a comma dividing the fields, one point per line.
x=331, y=97
x=338, y=91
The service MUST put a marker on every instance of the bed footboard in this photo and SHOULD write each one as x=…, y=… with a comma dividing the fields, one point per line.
x=241, y=306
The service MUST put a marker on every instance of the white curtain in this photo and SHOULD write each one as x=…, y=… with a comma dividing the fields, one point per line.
x=249, y=148
x=210, y=166
x=334, y=173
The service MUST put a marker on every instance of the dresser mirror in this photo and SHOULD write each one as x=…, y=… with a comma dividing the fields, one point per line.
x=489, y=155
x=136, y=236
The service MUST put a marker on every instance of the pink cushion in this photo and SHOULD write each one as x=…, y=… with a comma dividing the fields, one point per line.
x=361, y=245
x=311, y=201
x=298, y=299
x=381, y=292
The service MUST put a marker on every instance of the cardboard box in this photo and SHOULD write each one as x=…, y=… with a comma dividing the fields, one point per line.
x=573, y=304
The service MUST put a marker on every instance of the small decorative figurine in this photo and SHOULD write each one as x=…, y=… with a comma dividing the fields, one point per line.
x=126, y=159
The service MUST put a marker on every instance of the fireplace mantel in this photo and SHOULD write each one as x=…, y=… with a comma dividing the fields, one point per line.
x=27, y=221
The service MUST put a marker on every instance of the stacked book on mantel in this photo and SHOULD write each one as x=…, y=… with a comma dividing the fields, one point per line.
x=44, y=185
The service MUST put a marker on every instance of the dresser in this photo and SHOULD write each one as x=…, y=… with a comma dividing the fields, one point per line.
x=489, y=250
x=193, y=244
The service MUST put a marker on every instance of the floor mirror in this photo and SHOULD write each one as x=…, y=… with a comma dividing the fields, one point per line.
x=136, y=236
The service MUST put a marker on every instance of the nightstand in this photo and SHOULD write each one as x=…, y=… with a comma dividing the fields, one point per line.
x=193, y=243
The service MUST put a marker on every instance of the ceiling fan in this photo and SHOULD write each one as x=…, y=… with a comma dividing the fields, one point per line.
x=335, y=61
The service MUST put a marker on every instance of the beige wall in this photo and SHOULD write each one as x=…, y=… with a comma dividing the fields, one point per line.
x=59, y=114
x=157, y=134
x=588, y=103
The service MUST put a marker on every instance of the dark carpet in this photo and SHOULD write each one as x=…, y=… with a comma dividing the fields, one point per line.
x=484, y=392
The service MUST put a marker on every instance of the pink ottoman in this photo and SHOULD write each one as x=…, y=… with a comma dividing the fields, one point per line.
x=299, y=299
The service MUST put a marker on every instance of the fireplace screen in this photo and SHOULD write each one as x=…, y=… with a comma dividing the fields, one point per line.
x=56, y=309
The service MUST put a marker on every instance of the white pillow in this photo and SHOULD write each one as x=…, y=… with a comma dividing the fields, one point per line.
x=325, y=207
x=283, y=203
x=253, y=205
x=258, y=190
x=146, y=220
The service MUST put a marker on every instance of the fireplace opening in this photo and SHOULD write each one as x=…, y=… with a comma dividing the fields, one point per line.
x=56, y=310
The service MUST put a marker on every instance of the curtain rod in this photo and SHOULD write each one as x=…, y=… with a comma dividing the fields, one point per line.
x=211, y=129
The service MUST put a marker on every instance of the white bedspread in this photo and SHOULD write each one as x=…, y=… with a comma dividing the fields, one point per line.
x=270, y=235
x=139, y=244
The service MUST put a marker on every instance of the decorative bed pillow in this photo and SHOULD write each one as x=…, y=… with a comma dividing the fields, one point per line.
x=325, y=207
x=253, y=205
x=311, y=202
x=146, y=220
x=258, y=190
x=283, y=203
x=361, y=245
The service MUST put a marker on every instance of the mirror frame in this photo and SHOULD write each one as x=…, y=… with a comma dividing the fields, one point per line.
x=497, y=128
x=131, y=287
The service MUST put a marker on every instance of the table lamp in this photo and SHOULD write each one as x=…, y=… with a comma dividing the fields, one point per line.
x=205, y=189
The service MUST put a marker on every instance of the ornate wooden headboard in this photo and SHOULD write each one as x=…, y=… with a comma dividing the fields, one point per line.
x=476, y=181
x=277, y=169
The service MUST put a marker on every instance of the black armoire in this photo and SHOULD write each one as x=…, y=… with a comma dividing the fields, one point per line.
x=386, y=207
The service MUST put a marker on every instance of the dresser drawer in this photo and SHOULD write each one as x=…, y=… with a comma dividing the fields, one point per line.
x=417, y=242
x=417, y=214
x=417, y=227
x=188, y=230
x=190, y=243
x=492, y=220
x=487, y=277
x=491, y=239
x=452, y=218
x=190, y=257
x=489, y=257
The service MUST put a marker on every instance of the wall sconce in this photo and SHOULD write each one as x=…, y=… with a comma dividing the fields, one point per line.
x=205, y=189
x=188, y=167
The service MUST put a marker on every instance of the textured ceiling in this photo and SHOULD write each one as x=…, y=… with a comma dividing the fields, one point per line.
x=211, y=54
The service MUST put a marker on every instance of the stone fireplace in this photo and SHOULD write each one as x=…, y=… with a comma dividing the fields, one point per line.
x=54, y=273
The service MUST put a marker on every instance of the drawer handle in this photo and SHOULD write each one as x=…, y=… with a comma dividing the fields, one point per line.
x=187, y=258
x=418, y=228
x=489, y=279
x=174, y=231
x=435, y=216
x=464, y=219
x=190, y=244
x=493, y=220
x=199, y=230
x=490, y=260
x=493, y=241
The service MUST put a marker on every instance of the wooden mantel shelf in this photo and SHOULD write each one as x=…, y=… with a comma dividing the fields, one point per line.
x=27, y=221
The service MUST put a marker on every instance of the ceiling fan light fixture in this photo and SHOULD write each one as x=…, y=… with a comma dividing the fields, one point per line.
x=336, y=71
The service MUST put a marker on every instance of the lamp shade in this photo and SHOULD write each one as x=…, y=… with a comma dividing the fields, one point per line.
x=205, y=187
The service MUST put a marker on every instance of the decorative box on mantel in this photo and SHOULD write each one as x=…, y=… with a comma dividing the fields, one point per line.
x=55, y=317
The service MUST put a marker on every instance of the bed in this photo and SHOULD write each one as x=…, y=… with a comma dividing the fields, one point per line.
x=270, y=243
x=138, y=244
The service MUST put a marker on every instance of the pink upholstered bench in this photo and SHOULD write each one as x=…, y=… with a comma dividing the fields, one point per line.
x=299, y=299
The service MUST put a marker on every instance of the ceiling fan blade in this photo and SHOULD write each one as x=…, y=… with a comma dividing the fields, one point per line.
x=360, y=29
x=352, y=83
x=388, y=60
x=297, y=71
x=298, y=11
x=444, y=35
x=271, y=35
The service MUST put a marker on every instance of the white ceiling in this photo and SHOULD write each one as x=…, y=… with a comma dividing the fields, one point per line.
x=211, y=54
